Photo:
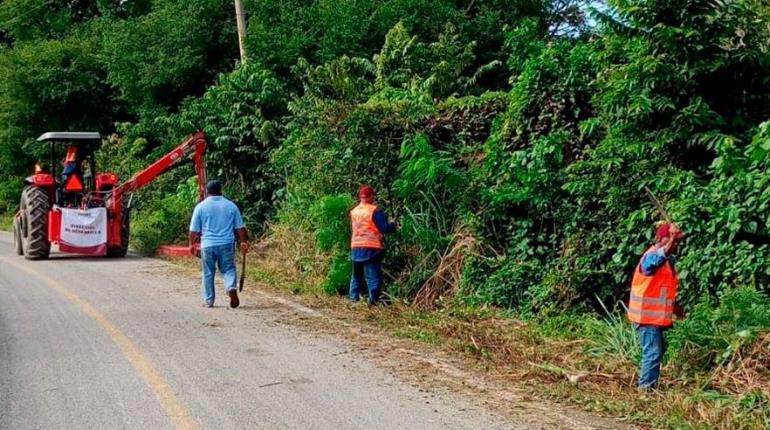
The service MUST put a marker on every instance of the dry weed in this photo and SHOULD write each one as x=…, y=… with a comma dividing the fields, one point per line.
x=288, y=257
x=747, y=371
x=446, y=279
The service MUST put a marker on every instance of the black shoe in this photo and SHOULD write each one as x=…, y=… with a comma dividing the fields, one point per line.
x=234, y=302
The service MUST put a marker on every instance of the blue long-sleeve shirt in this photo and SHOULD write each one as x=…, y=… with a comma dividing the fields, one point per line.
x=654, y=260
x=366, y=254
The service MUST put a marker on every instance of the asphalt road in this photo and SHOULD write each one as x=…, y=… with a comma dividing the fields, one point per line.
x=124, y=344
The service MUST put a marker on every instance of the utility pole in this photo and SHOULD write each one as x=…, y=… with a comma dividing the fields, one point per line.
x=241, y=22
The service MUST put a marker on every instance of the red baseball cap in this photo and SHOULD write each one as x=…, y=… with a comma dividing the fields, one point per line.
x=366, y=192
x=663, y=231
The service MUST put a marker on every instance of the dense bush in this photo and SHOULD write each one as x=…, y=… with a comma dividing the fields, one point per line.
x=514, y=125
x=241, y=117
x=713, y=333
x=159, y=223
x=667, y=104
x=328, y=218
x=156, y=59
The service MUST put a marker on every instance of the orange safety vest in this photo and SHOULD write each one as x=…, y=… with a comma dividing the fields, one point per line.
x=72, y=154
x=652, y=297
x=365, y=231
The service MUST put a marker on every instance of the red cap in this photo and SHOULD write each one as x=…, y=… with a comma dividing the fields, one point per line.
x=663, y=231
x=366, y=192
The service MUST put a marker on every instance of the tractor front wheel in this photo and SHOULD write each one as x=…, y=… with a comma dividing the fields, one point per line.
x=18, y=244
x=34, y=223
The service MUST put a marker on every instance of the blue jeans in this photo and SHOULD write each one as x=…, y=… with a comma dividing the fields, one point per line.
x=372, y=271
x=222, y=256
x=651, y=338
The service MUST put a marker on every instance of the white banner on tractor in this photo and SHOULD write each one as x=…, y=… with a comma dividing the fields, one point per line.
x=84, y=231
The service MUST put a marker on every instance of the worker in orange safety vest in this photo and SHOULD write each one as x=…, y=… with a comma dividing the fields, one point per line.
x=368, y=224
x=72, y=165
x=652, y=305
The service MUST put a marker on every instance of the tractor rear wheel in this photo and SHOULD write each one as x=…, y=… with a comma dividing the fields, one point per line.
x=34, y=223
x=17, y=241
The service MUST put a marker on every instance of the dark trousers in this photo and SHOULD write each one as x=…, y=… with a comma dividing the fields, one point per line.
x=369, y=271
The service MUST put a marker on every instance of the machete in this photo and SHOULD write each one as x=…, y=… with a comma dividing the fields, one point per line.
x=243, y=272
x=658, y=205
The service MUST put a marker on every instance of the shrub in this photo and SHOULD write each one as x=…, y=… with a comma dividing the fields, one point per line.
x=166, y=221
x=329, y=217
x=6, y=221
x=338, y=280
x=712, y=332
x=329, y=220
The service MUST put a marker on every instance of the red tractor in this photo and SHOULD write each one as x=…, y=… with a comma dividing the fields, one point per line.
x=82, y=211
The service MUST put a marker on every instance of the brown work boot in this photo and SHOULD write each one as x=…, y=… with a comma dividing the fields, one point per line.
x=234, y=302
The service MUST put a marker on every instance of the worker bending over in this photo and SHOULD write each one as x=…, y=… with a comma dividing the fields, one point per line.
x=214, y=222
x=369, y=223
x=653, y=300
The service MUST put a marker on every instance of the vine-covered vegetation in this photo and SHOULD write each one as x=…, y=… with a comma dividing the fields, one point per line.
x=511, y=138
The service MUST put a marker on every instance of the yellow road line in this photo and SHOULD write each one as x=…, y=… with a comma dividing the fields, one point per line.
x=180, y=416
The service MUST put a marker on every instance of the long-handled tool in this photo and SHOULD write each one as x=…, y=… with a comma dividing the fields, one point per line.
x=243, y=272
x=658, y=205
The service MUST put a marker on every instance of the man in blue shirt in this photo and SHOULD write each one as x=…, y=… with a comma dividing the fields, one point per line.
x=369, y=224
x=215, y=221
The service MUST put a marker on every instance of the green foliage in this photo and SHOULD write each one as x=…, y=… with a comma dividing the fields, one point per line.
x=730, y=214
x=512, y=122
x=712, y=333
x=329, y=218
x=155, y=60
x=165, y=221
x=425, y=168
x=613, y=336
x=50, y=85
x=27, y=20
x=660, y=123
x=241, y=117
x=330, y=221
x=526, y=212
x=6, y=221
x=437, y=68
x=337, y=281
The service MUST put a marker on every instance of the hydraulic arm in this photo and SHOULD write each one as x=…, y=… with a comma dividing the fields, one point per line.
x=194, y=145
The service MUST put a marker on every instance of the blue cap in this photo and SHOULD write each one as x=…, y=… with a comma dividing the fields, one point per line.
x=214, y=187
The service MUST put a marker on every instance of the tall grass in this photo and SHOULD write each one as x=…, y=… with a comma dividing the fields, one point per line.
x=613, y=336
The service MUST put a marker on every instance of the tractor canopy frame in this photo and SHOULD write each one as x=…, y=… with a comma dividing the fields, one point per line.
x=85, y=141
